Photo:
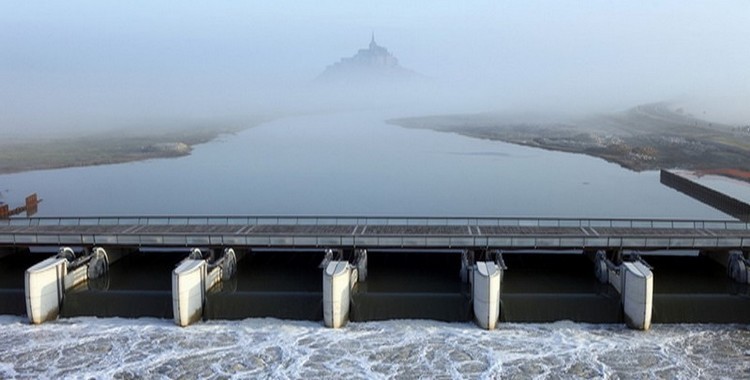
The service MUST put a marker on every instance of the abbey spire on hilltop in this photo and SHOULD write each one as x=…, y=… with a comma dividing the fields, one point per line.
x=374, y=64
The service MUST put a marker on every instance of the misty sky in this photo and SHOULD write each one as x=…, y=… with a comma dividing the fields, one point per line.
x=86, y=64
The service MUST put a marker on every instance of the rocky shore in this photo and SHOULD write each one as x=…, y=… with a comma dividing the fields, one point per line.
x=647, y=137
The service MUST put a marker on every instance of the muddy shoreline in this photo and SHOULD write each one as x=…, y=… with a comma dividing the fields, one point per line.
x=648, y=137
x=111, y=147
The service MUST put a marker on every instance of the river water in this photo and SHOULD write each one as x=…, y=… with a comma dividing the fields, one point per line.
x=347, y=164
x=356, y=164
x=406, y=349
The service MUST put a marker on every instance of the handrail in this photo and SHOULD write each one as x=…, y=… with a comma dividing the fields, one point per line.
x=377, y=220
x=385, y=240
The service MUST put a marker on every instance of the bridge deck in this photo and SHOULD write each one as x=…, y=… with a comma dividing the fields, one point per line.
x=376, y=232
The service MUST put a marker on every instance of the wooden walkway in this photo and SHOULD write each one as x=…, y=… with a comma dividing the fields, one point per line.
x=368, y=232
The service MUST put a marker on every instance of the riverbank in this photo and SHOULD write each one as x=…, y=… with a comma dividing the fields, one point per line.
x=110, y=147
x=648, y=137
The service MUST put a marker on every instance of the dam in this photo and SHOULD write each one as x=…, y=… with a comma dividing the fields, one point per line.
x=340, y=269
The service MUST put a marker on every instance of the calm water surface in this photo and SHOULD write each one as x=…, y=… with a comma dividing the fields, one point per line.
x=355, y=163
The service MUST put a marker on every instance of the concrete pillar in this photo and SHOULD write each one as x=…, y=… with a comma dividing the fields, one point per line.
x=635, y=283
x=637, y=294
x=47, y=281
x=337, y=284
x=188, y=291
x=194, y=277
x=44, y=285
x=486, y=293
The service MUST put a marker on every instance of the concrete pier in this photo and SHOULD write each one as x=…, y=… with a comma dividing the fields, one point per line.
x=188, y=291
x=46, y=282
x=45, y=287
x=634, y=281
x=637, y=295
x=194, y=277
x=486, y=294
x=339, y=278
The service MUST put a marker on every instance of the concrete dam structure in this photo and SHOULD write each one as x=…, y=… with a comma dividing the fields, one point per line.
x=723, y=202
x=340, y=269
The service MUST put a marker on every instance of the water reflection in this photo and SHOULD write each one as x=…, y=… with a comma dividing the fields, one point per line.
x=355, y=163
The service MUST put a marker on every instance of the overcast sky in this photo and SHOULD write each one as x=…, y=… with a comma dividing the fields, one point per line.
x=91, y=63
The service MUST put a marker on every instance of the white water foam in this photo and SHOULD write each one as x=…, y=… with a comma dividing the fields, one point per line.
x=269, y=348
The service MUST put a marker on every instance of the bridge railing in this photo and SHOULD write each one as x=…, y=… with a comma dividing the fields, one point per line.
x=378, y=220
x=384, y=241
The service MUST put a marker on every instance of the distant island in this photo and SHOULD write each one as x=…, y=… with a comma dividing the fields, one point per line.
x=372, y=65
x=647, y=137
x=110, y=147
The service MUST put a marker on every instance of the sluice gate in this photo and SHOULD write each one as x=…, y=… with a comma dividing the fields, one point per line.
x=488, y=287
x=271, y=284
x=138, y=285
x=335, y=270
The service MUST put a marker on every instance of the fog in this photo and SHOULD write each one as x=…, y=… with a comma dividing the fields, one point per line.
x=89, y=65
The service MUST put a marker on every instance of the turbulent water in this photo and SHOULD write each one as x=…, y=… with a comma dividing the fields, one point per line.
x=261, y=348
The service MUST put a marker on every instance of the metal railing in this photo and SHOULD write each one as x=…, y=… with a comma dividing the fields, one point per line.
x=403, y=241
x=378, y=220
